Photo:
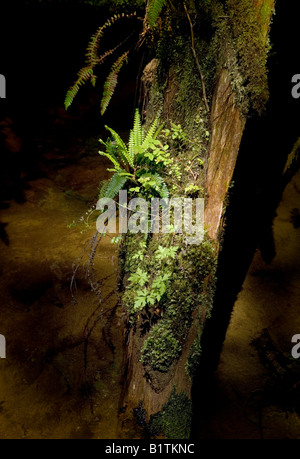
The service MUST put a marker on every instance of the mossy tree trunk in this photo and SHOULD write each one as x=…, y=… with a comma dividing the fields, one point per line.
x=209, y=71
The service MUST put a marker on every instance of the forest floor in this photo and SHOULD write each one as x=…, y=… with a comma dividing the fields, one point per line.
x=61, y=377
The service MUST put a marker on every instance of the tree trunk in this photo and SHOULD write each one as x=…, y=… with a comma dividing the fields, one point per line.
x=236, y=35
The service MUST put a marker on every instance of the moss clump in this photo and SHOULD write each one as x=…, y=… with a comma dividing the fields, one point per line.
x=174, y=419
x=161, y=348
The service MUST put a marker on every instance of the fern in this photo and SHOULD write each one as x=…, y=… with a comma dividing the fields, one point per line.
x=139, y=170
x=92, y=51
x=115, y=184
x=121, y=148
x=102, y=188
x=93, y=58
x=154, y=10
x=138, y=131
x=112, y=159
x=84, y=74
x=151, y=135
x=136, y=136
x=155, y=182
x=111, y=81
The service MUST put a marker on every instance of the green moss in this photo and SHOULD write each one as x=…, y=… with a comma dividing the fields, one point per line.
x=161, y=348
x=245, y=54
x=192, y=287
x=174, y=419
x=193, y=360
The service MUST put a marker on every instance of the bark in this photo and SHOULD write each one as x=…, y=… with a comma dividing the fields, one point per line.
x=227, y=129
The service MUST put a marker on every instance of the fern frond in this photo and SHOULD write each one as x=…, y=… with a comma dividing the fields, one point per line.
x=84, y=74
x=93, y=59
x=111, y=158
x=151, y=135
x=137, y=129
x=102, y=189
x=154, y=10
x=111, y=81
x=136, y=136
x=121, y=148
x=93, y=46
x=115, y=184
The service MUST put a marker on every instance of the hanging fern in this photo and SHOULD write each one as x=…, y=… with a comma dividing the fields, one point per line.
x=111, y=81
x=93, y=59
x=154, y=10
x=92, y=51
x=84, y=74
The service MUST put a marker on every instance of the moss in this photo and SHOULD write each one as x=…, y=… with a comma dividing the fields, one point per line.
x=192, y=287
x=193, y=360
x=161, y=348
x=245, y=54
x=174, y=419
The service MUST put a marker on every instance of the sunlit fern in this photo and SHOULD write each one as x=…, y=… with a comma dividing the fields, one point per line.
x=130, y=164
